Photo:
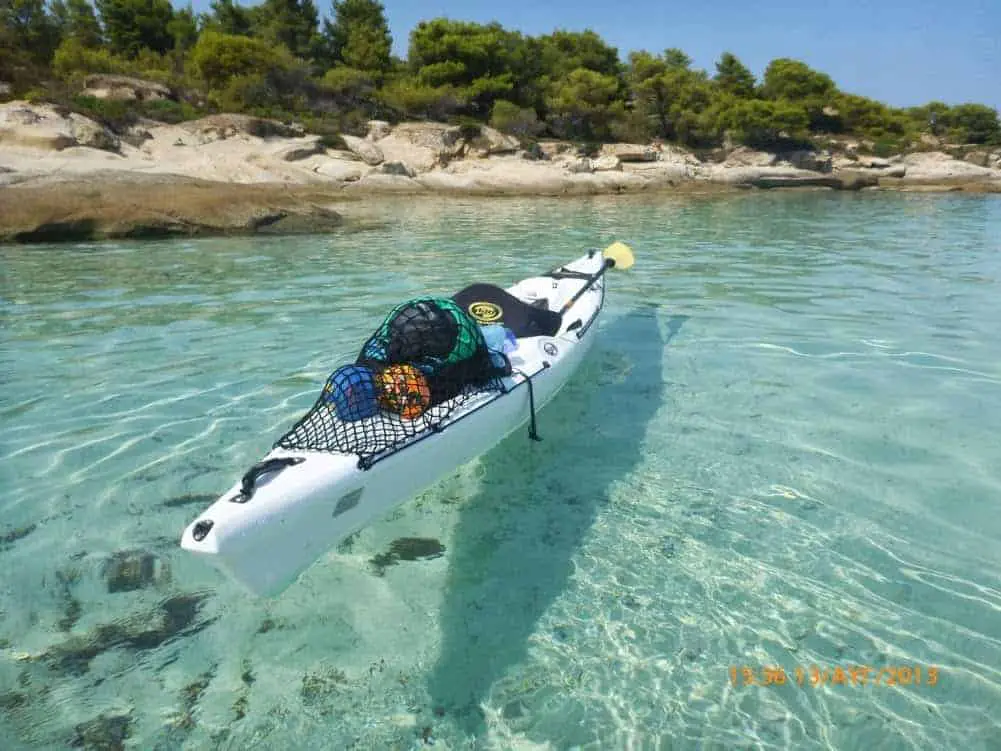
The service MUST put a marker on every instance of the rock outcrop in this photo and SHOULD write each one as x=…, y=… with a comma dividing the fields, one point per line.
x=106, y=86
x=67, y=176
x=50, y=128
x=143, y=206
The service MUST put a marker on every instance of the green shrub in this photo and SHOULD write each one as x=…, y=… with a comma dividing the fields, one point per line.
x=115, y=114
x=887, y=147
x=414, y=99
x=763, y=123
x=72, y=61
x=348, y=81
x=975, y=123
x=37, y=95
x=522, y=122
x=632, y=127
x=469, y=128
x=168, y=111
x=222, y=58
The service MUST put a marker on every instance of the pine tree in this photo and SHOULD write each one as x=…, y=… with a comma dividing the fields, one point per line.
x=359, y=36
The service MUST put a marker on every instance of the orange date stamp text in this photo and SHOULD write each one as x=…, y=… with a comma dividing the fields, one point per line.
x=838, y=675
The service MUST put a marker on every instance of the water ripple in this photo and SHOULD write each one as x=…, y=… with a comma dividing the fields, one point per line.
x=780, y=457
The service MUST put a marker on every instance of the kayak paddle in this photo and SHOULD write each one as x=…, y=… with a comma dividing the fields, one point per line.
x=619, y=255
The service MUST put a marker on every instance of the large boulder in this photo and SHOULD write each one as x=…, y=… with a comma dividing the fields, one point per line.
x=299, y=149
x=606, y=163
x=422, y=147
x=491, y=141
x=377, y=182
x=553, y=149
x=365, y=150
x=221, y=127
x=937, y=166
x=396, y=168
x=45, y=126
x=339, y=170
x=579, y=165
x=377, y=129
x=742, y=156
x=141, y=206
x=104, y=86
x=984, y=158
x=630, y=152
x=815, y=161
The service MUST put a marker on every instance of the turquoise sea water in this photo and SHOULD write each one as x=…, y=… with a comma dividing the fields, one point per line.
x=781, y=454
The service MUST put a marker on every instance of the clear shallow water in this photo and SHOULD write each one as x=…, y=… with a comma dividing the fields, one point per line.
x=781, y=452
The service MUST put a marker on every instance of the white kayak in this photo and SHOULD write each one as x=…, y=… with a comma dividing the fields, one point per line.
x=295, y=505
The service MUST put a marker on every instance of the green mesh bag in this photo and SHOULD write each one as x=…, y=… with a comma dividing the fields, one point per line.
x=433, y=330
x=438, y=337
x=356, y=413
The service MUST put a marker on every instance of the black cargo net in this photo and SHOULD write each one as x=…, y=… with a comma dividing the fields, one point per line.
x=427, y=358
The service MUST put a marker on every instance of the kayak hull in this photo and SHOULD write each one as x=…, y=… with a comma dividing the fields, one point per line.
x=298, y=513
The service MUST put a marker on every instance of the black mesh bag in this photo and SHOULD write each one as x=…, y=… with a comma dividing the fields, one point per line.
x=427, y=358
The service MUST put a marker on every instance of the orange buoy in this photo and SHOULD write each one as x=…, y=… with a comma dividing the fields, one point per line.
x=404, y=389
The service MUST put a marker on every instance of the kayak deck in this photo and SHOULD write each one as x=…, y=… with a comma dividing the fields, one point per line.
x=527, y=308
x=296, y=504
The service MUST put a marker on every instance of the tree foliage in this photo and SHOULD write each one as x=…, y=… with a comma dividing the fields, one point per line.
x=131, y=26
x=733, y=77
x=975, y=123
x=76, y=20
x=218, y=58
x=274, y=57
x=763, y=122
x=293, y=24
x=359, y=36
x=583, y=104
x=30, y=29
x=227, y=17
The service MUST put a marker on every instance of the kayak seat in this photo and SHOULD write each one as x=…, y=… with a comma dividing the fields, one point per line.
x=487, y=303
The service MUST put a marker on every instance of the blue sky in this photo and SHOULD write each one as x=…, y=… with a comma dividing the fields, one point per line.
x=903, y=52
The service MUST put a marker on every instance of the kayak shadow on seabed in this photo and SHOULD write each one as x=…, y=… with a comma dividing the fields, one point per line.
x=513, y=545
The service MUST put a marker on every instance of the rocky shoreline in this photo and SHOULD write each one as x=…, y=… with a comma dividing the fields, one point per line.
x=66, y=177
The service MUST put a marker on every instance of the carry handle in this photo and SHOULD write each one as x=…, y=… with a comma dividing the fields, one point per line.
x=247, y=484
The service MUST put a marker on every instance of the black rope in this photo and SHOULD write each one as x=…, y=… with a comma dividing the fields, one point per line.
x=533, y=431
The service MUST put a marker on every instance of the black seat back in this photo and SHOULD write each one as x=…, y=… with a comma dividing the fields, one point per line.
x=487, y=303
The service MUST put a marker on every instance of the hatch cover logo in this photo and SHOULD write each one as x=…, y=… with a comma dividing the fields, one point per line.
x=486, y=312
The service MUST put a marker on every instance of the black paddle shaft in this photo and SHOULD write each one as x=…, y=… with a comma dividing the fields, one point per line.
x=609, y=262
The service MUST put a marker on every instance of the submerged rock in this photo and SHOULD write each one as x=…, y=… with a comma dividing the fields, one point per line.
x=18, y=533
x=107, y=732
x=408, y=549
x=317, y=686
x=190, y=499
x=128, y=570
x=174, y=617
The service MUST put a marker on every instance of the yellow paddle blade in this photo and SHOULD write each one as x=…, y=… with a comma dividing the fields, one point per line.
x=621, y=253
